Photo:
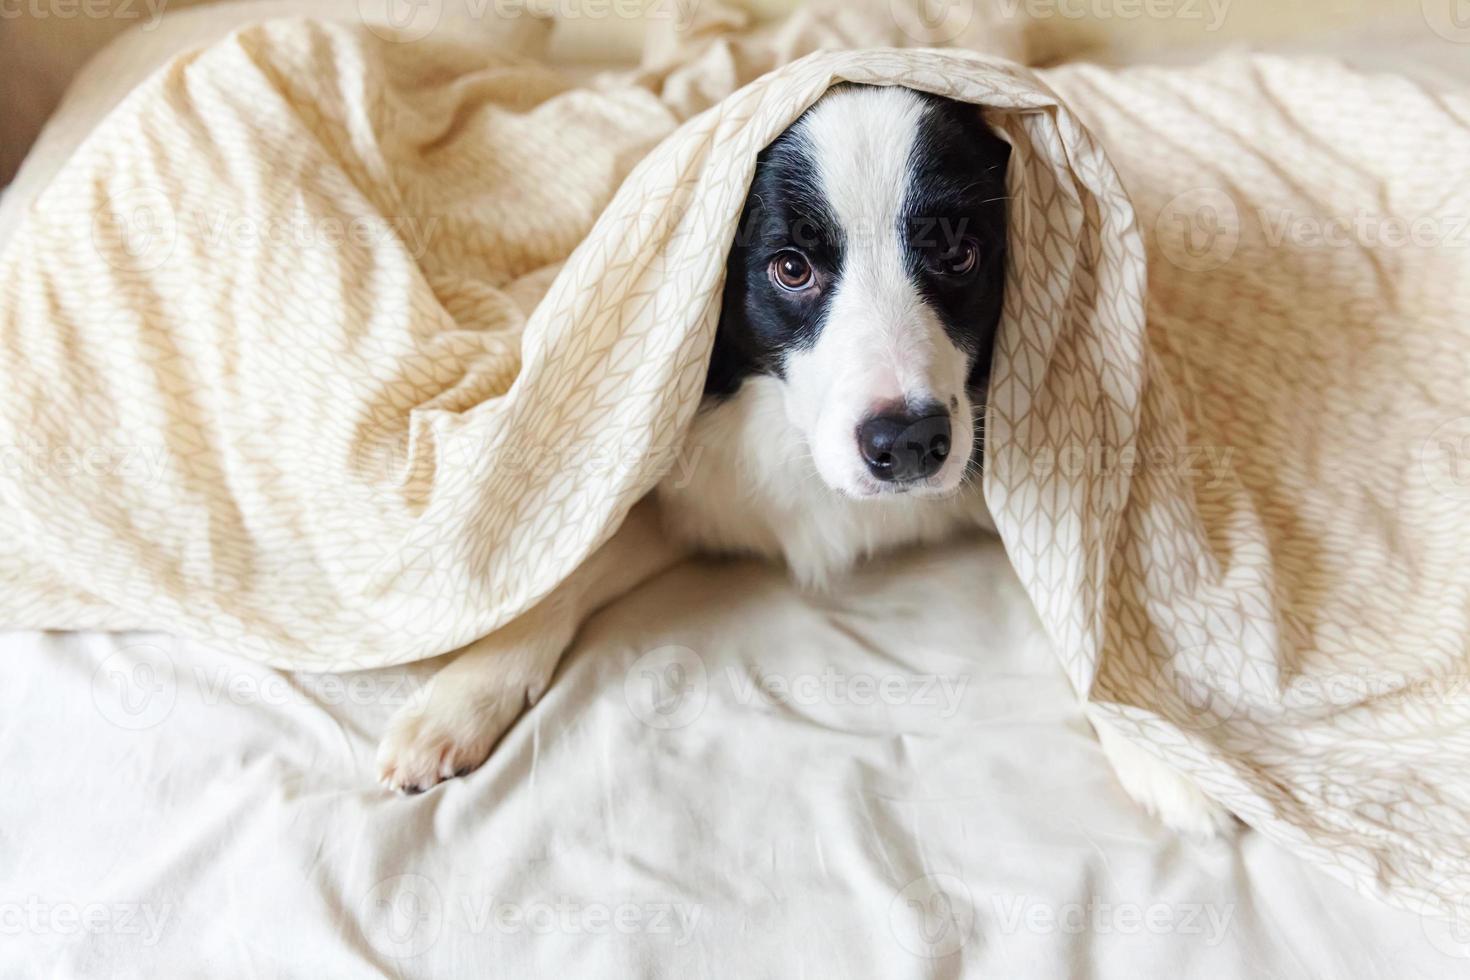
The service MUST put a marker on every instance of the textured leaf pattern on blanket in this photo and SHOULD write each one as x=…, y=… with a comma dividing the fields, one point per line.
x=339, y=353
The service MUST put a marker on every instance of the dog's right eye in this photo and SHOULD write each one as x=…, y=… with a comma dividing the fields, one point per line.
x=791, y=271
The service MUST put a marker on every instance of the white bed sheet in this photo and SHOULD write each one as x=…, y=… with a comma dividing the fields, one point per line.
x=171, y=811
x=924, y=800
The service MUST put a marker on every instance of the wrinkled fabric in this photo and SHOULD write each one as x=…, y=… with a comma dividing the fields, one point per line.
x=335, y=353
x=893, y=782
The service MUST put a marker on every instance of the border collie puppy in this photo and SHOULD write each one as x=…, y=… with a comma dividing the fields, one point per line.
x=843, y=410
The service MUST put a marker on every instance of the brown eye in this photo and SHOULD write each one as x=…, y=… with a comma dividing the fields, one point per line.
x=960, y=260
x=791, y=271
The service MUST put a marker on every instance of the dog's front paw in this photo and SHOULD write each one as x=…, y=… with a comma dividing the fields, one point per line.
x=445, y=732
x=1162, y=790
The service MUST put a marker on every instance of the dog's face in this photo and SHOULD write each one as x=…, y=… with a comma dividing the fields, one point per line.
x=866, y=276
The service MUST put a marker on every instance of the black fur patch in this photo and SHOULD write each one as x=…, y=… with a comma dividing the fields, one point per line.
x=758, y=323
x=957, y=188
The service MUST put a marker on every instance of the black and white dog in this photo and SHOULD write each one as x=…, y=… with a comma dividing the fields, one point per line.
x=843, y=411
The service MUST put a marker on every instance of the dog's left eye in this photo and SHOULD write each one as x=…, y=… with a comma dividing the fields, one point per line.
x=790, y=270
x=958, y=261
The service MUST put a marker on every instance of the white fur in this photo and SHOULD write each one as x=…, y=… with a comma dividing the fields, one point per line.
x=881, y=344
x=1160, y=788
x=756, y=490
x=452, y=724
x=777, y=472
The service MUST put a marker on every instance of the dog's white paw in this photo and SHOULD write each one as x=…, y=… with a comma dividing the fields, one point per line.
x=1162, y=790
x=445, y=732
x=451, y=725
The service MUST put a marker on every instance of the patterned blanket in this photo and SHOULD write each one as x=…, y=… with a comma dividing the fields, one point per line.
x=339, y=352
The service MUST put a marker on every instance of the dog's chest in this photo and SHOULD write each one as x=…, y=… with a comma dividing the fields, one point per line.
x=745, y=483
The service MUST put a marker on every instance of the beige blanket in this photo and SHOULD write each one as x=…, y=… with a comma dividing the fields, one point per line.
x=339, y=352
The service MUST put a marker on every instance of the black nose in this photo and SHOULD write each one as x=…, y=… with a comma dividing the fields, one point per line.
x=899, y=448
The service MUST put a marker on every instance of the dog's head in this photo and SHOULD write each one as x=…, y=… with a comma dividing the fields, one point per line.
x=866, y=277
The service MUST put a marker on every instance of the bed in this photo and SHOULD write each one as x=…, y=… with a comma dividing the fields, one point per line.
x=729, y=777
x=894, y=781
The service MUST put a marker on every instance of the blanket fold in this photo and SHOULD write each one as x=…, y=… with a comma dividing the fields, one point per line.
x=340, y=352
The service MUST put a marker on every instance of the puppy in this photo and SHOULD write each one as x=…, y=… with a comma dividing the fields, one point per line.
x=843, y=413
